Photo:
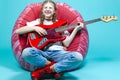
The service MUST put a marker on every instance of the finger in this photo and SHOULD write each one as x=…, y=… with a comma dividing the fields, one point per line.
x=40, y=33
x=44, y=32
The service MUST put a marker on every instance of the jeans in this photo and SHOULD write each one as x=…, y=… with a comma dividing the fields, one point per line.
x=64, y=60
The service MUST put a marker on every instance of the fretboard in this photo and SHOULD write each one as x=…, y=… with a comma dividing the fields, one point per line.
x=63, y=28
x=92, y=21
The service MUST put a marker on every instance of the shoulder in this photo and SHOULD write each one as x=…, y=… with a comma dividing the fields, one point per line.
x=34, y=22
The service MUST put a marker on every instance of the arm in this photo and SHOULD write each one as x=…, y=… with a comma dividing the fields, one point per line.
x=30, y=27
x=69, y=39
x=26, y=29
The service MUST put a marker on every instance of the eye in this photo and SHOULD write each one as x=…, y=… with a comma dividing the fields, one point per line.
x=45, y=7
x=50, y=7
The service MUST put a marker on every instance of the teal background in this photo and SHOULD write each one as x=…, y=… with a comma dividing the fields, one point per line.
x=103, y=57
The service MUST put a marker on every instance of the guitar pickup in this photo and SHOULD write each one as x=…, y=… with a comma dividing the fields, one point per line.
x=32, y=35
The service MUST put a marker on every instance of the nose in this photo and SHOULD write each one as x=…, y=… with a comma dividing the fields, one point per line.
x=47, y=8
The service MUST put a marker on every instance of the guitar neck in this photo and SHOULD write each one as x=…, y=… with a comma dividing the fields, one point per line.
x=92, y=21
x=63, y=28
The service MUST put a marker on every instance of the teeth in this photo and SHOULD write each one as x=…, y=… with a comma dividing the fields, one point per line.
x=48, y=11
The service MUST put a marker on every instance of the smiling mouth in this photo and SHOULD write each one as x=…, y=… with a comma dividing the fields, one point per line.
x=47, y=12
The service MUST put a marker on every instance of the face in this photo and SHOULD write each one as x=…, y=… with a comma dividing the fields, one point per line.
x=48, y=10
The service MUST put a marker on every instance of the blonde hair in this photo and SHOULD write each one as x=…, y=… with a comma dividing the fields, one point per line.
x=42, y=17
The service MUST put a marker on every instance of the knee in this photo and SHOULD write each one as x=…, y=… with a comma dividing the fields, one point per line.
x=77, y=57
x=28, y=52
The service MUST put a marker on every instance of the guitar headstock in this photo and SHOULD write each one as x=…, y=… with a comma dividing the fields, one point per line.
x=108, y=18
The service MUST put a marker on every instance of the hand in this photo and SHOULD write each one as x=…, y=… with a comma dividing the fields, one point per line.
x=41, y=31
x=80, y=26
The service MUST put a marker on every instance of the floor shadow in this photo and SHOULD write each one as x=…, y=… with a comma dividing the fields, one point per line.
x=66, y=76
x=26, y=76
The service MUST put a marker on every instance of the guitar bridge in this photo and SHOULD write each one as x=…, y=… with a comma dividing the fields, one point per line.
x=42, y=42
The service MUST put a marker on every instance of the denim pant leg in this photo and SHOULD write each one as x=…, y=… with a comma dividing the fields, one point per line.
x=34, y=57
x=66, y=60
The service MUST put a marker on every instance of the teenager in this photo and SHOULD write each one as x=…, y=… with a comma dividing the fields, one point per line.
x=55, y=59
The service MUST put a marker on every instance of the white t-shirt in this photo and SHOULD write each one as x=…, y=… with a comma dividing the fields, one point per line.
x=53, y=47
x=37, y=21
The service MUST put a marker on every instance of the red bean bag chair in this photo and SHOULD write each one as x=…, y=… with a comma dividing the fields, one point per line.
x=32, y=12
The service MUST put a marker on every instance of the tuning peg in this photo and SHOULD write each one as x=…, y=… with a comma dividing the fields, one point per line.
x=115, y=17
x=109, y=18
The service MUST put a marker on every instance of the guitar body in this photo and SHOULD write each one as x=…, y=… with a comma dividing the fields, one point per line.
x=40, y=42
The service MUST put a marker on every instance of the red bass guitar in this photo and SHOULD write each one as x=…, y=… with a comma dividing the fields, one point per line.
x=39, y=42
